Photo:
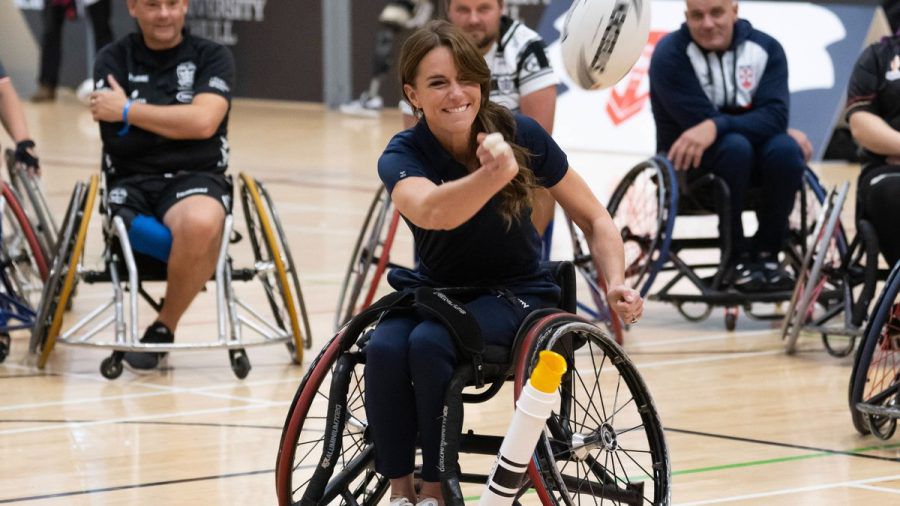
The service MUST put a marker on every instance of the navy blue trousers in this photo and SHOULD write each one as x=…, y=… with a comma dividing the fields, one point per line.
x=776, y=166
x=409, y=363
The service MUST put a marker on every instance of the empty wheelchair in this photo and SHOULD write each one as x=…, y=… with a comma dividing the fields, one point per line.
x=604, y=441
x=372, y=257
x=644, y=206
x=836, y=282
x=127, y=270
x=875, y=379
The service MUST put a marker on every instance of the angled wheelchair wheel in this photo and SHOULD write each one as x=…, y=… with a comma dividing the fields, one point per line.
x=326, y=428
x=643, y=207
x=27, y=186
x=822, y=257
x=599, y=311
x=64, y=270
x=605, y=440
x=278, y=273
x=370, y=260
x=26, y=264
x=804, y=218
x=875, y=380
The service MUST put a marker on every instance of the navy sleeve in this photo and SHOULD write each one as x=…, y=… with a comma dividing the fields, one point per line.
x=864, y=84
x=216, y=75
x=675, y=87
x=399, y=161
x=769, y=115
x=548, y=161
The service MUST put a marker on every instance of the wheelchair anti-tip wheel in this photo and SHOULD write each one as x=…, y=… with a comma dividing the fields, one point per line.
x=875, y=380
x=26, y=264
x=329, y=408
x=370, y=260
x=277, y=273
x=643, y=207
x=59, y=284
x=605, y=440
x=596, y=284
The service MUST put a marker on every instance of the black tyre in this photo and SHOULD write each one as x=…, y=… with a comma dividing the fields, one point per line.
x=643, y=206
x=111, y=367
x=875, y=380
x=325, y=454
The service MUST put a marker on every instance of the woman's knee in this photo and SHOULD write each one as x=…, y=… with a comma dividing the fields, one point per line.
x=431, y=346
x=387, y=346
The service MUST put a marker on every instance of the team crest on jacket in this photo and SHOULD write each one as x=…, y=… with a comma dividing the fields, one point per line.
x=185, y=73
x=893, y=73
x=746, y=77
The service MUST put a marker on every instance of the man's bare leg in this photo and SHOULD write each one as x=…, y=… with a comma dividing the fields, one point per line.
x=196, y=224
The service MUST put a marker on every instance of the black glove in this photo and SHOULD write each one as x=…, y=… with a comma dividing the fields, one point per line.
x=24, y=157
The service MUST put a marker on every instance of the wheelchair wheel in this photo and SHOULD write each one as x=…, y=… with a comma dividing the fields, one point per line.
x=596, y=284
x=27, y=265
x=605, y=440
x=875, y=380
x=326, y=427
x=370, y=260
x=61, y=281
x=35, y=205
x=4, y=346
x=270, y=251
x=804, y=217
x=643, y=206
x=822, y=256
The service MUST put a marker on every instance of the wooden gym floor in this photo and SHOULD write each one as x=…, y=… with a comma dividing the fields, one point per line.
x=745, y=423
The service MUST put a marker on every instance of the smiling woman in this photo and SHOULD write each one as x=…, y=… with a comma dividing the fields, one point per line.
x=463, y=178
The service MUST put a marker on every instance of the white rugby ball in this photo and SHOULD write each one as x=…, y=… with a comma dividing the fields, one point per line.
x=602, y=39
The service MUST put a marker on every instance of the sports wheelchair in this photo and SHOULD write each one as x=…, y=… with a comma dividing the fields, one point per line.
x=604, y=440
x=644, y=206
x=875, y=380
x=372, y=257
x=23, y=264
x=128, y=270
x=836, y=282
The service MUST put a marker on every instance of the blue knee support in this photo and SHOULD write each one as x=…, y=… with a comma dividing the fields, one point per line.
x=150, y=237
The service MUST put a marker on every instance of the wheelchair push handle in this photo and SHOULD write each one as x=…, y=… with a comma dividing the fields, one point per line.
x=535, y=405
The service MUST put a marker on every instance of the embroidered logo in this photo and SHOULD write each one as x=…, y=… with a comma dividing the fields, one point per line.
x=746, y=76
x=118, y=195
x=894, y=72
x=185, y=73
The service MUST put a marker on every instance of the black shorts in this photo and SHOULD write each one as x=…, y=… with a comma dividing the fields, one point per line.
x=155, y=194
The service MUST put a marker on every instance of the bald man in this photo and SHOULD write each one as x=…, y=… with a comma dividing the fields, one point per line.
x=719, y=92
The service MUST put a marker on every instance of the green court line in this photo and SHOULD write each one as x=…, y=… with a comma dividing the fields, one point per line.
x=762, y=462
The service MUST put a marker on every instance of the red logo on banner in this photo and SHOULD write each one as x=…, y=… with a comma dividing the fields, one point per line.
x=625, y=101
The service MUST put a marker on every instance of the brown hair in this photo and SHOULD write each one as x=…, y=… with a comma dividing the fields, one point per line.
x=517, y=194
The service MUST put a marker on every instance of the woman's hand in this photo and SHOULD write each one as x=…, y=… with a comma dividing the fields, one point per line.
x=496, y=156
x=626, y=302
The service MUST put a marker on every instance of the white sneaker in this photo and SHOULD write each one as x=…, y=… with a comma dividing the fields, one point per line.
x=400, y=501
x=364, y=106
x=430, y=501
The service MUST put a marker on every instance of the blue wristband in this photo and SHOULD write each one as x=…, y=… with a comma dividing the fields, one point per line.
x=125, y=109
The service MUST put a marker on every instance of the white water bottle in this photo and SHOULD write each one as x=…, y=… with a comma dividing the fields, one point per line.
x=538, y=399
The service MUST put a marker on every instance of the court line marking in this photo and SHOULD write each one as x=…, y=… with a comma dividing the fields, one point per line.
x=158, y=416
x=877, y=489
x=795, y=490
